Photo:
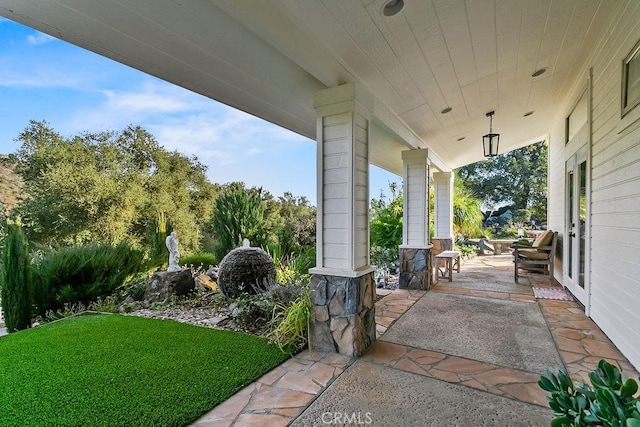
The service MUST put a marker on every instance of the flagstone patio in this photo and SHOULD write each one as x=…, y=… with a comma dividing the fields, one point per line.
x=413, y=375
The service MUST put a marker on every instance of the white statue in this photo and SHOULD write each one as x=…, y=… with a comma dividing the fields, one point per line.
x=174, y=254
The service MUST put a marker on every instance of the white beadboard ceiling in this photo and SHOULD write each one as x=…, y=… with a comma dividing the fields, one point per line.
x=268, y=57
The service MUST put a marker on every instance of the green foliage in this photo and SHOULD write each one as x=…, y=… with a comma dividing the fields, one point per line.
x=202, y=259
x=106, y=370
x=467, y=215
x=82, y=273
x=255, y=313
x=517, y=178
x=104, y=187
x=385, y=228
x=16, y=298
x=297, y=231
x=291, y=329
x=158, y=228
x=239, y=214
x=609, y=401
x=134, y=286
x=522, y=216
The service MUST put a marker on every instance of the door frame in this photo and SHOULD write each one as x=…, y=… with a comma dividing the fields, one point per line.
x=578, y=148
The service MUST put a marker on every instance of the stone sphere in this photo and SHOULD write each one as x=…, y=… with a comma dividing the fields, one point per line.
x=246, y=270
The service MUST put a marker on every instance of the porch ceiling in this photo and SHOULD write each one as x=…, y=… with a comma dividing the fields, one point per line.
x=268, y=57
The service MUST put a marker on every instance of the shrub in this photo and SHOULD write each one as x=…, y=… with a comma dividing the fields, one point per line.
x=291, y=324
x=83, y=273
x=204, y=259
x=608, y=402
x=239, y=214
x=256, y=312
x=158, y=229
x=16, y=301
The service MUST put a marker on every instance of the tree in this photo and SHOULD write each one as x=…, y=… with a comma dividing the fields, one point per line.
x=467, y=215
x=106, y=186
x=16, y=298
x=297, y=233
x=385, y=228
x=239, y=214
x=517, y=178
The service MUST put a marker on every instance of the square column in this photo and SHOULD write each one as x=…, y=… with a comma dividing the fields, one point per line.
x=443, y=205
x=414, y=255
x=342, y=289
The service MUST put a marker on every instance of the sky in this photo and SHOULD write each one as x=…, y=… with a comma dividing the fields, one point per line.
x=74, y=90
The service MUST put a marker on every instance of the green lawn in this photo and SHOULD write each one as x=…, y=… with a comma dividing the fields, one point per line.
x=102, y=370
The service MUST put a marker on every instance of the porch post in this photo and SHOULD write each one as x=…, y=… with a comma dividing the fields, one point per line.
x=443, y=206
x=415, y=251
x=342, y=284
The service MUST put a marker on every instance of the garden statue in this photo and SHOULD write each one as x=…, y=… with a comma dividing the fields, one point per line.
x=174, y=254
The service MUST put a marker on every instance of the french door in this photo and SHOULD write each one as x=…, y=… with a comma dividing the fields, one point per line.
x=575, y=272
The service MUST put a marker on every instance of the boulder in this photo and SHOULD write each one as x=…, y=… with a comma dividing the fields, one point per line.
x=166, y=283
x=205, y=283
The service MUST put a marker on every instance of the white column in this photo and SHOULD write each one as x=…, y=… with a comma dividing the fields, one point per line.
x=443, y=205
x=342, y=242
x=415, y=219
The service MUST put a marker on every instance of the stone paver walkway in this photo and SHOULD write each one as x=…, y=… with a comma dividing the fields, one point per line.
x=282, y=395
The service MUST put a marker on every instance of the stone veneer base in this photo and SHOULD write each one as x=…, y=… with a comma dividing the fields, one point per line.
x=343, y=313
x=415, y=268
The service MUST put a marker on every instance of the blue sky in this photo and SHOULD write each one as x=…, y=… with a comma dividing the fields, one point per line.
x=75, y=90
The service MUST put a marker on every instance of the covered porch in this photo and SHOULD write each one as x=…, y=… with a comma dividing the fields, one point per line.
x=468, y=352
x=407, y=86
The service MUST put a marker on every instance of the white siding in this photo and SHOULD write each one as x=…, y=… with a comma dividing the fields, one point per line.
x=336, y=131
x=443, y=204
x=615, y=187
x=416, y=194
x=345, y=191
x=361, y=192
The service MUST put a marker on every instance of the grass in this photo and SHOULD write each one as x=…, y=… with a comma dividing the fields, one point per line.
x=117, y=370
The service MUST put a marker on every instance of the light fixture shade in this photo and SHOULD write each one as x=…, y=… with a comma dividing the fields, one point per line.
x=490, y=143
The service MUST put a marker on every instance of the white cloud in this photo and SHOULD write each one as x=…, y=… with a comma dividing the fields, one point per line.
x=39, y=38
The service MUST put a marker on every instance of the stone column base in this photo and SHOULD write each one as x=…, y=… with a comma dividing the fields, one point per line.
x=415, y=268
x=343, y=313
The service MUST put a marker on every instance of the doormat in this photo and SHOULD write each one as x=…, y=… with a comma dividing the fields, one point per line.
x=552, y=293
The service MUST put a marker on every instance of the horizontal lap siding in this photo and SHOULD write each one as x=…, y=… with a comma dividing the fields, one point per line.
x=361, y=192
x=416, y=196
x=615, y=208
x=442, y=194
x=336, y=169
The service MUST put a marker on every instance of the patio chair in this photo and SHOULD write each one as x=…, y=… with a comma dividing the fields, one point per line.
x=538, y=257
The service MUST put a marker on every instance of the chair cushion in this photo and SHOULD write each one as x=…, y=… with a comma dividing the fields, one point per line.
x=544, y=239
x=533, y=254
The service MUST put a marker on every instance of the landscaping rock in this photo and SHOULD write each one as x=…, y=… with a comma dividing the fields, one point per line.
x=205, y=283
x=166, y=283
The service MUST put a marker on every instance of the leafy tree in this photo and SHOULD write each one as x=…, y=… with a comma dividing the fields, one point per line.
x=16, y=299
x=297, y=233
x=158, y=229
x=107, y=186
x=385, y=228
x=517, y=178
x=239, y=214
x=467, y=215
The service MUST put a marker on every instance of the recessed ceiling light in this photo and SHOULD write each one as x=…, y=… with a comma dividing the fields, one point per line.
x=392, y=7
x=446, y=110
x=539, y=72
x=461, y=138
x=528, y=113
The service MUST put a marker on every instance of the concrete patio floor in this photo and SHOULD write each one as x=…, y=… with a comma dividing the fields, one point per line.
x=467, y=352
